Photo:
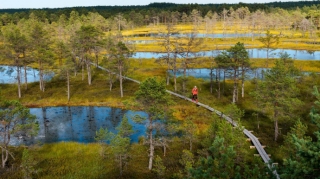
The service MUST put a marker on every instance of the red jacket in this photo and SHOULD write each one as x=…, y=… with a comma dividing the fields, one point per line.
x=195, y=91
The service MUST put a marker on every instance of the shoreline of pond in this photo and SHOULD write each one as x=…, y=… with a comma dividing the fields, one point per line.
x=79, y=124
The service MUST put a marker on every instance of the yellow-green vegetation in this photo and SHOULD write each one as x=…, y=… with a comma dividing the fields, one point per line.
x=74, y=160
x=288, y=39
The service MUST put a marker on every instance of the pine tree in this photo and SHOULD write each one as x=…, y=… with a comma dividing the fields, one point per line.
x=277, y=94
x=306, y=161
x=153, y=98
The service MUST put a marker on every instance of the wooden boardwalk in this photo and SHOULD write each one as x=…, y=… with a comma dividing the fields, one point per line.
x=263, y=154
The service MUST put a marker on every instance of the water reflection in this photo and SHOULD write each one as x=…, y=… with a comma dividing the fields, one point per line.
x=205, y=73
x=142, y=41
x=253, y=53
x=79, y=123
x=8, y=75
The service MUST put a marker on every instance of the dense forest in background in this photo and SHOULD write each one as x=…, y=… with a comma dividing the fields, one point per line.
x=152, y=10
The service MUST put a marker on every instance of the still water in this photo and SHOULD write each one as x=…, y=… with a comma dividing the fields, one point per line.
x=253, y=53
x=8, y=75
x=204, y=73
x=79, y=123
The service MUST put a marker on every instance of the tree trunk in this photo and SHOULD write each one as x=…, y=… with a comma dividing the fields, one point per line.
x=175, y=80
x=110, y=81
x=40, y=76
x=168, y=67
x=242, y=83
x=4, y=157
x=234, y=96
x=211, y=80
x=89, y=73
x=82, y=72
x=41, y=80
x=120, y=79
x=242, y=89
x=224, y=80
x=276, y=130
x=97, y=60
x=219, y=85
x=19, y=80
x=120, y=164
x=184, y=78
x=25, y=77
x=267, y=61
x=151, y=148
x=168, y=77
x=68, y=85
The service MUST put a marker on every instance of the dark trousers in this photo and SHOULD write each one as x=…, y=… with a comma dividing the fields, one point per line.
x=195, y=97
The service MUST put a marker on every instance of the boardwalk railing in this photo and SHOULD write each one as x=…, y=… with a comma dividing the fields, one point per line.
x=265, y=157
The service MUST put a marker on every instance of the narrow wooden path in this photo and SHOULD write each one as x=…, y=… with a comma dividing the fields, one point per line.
x=265, y=157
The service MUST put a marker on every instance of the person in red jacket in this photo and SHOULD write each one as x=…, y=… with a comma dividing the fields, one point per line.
x=195, y=94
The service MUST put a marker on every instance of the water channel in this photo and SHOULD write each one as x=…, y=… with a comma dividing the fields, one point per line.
x=79, y=124
x=204, y=73
x=253, y=53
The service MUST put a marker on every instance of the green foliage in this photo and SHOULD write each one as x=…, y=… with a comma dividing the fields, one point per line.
x=232, y=137
x=277, y=94
x=28, y=165
x=299, y=130
x=61, y=52
x=88, y=37
x=101, y=135
x=153, y=98
x=234, y=112
x=125, y=128
x=270, y=40
x=305, y=163
x=234, y=57
x=15, y=40
x=190, y=130
x=187, y=161
x=119, y=143
x=219, y=164
x=159, y=167
x=119, y=55
x=235, y=60
x=16, y=120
